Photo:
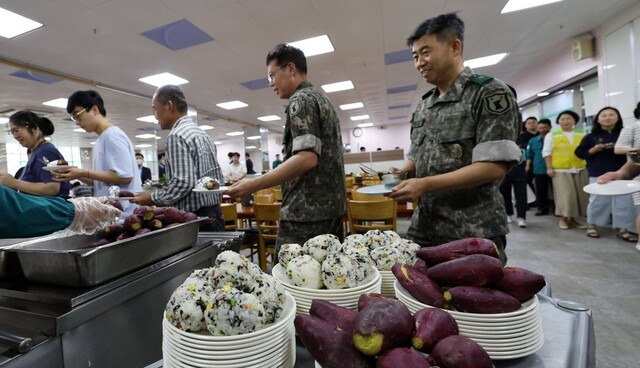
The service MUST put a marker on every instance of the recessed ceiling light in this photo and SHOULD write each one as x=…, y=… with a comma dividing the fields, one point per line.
x=515, y=5
x=143, y=145
x=146, y=136
x=611, y=94
x=94, y=142
x=206, y=127
x=253, y=137
x=284, y=126
x=163, y=79
x=4, y=120
x=351, y=106
x=217, y=142
x=485, y=60
x=314, y=46
x=359, y=117
x=268, y=118
x=12, y=24
x=542, y=94
x=339, y=86
x=232, y=105
x=58, y=102
x=264, y=130
x=233, y=134
x=610, y=66
x=157, y=138
x=250, y=147
x=365, y=125
x=148, y=119
x=79, y=130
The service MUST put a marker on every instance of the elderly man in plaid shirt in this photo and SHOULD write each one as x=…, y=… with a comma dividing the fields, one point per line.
x=190, y=155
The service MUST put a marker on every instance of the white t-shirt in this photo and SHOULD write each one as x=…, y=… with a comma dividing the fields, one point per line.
x=548, y=147
x=236, y=171
x=629, y=136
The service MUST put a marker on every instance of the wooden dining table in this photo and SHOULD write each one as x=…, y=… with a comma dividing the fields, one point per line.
x=405, y=210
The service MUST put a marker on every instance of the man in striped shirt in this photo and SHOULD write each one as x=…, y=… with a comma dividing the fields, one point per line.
x=190, y=155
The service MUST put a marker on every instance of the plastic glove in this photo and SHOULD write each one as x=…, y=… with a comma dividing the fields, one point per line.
x=91, y=215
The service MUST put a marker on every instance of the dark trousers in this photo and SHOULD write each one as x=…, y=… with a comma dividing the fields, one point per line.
x=530, y=182
x=543, y=185
x=518, y=179
x=215, y=222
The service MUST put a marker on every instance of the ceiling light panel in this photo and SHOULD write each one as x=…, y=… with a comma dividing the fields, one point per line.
x=365, y=125
x=515, y=5
x=163, y=79
x=351, y=106
x=13, y=24
x=338, y=86
x=148, y=119
x=485, y=60
x=314, y=46
x=232, y=105
x=359, y=117
x=205, y=127
x=233, y=134
x=269, y=118
x=58, y=102
x=146, y=136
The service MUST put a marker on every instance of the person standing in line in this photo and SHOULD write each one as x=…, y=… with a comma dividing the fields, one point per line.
x=276, y=162
x=145, y=172
x=536, y=166
x=249, y=164
x=462, y=143
x=113, y=158
x=237, y=170
x=161, y=170
x=190, y=155
x=566, y=170
x=312, y=174
x=530, y=130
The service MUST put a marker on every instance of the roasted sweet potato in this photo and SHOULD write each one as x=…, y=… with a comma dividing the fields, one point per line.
x=132, y=223
x=142, y=231
x=114, y=203
x=173, y=215
x=520, y=283
x=331, y=347
x=341, y=317
x=367, y=298
x=421, y=266
x=402, y=357
x=154, y=224
x=419, y=285
x=124, y=235
x=459, y=352
x=112, y=231
x=101, y=241
x=145, y=212
x=474, y=299
x=126, y=193
x=431, y=326
x=456, y=249
x=473, y=270
x=381, y=326
x=189, y=216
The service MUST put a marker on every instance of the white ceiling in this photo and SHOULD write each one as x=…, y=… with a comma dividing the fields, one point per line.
x=99, y=42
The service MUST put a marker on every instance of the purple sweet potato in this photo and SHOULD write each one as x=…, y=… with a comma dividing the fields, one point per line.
x=402, y=357
x=431, y=326
x=331, y=347
x=520, y=283
x=123, y=236
x=381, y=326
x=421, y=266
x=474, y=299
x=419, y=285
x=142, y=231
x=159, y=210
x=341, y=317
x=112, y=231
x=173, y=216
x=101, y=241
x=126, y=193
x=189, y=216
x=154, y=224
x=473, y=270
x=367, y=298
x=459, y=352
x=145, y=212
x=456, y=249
x=114, y=203
x=133, y=223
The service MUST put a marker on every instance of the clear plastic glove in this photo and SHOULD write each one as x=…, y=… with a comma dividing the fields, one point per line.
x=91, y=216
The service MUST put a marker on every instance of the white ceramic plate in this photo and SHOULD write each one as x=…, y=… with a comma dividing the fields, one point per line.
x=517, y=353
x=58, y=167
x=615, y=187
x=375, y=190
x=212, y=191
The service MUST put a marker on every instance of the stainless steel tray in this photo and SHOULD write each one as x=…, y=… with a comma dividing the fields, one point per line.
x=72, y=261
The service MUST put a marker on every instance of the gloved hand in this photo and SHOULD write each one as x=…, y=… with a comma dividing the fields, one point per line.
x=92, y=214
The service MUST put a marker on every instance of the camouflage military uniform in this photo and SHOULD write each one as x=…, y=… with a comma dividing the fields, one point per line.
x=476, y=120
x=315, y=202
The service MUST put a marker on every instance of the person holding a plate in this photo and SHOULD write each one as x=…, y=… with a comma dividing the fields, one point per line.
x=30, y=131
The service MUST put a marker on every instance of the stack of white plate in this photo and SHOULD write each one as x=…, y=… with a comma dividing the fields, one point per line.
x=272, y=346
x=388, y=279
x=503, y=335
x=347, y=298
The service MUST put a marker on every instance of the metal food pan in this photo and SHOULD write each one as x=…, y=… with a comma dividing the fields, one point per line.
x=72, y=261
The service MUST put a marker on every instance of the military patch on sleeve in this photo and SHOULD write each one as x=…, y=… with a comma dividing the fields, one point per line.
x=294, y=108
x=497, y=103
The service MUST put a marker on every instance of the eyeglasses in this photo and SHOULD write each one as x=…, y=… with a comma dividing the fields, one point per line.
x=14, y=131
x=74, y=116
x=272, y=75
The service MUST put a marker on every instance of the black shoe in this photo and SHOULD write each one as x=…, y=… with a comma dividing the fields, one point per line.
x=541, y=213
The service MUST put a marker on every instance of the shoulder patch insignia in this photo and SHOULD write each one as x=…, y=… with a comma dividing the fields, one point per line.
x=497, y=103
x=294, y=108
x=480, y=79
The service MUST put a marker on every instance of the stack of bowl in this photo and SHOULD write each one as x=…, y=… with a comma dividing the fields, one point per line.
x=503, y=335
x=347, y=298
x=272, y=346
x=388, y=279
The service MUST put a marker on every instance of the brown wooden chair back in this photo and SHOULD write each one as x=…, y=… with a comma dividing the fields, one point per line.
x=368, y=215
x=230, y=216
x=267, y=220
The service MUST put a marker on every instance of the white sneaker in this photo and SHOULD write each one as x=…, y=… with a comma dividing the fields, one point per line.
x=509, y=220
x=521, y=222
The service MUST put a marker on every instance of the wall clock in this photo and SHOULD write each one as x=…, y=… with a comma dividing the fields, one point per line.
x=357, y=132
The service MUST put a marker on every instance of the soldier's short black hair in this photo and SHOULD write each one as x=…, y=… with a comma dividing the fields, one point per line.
x=138, y=154
x=531, y=117
x=446, y=28
x=285, y=54
x=86, y=100
x=175, y=95
x=545, y=122
x=573, y=114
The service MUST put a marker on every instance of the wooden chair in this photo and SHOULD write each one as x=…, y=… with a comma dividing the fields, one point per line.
x=230, y=216
x=368, y=215
x=264, y=198
x=349, y=181
x=357, y=196
x=277, y=194
x=267, y=221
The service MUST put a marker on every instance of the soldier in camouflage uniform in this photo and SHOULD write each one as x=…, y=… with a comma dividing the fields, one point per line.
x=312, y=174
x=462, y=143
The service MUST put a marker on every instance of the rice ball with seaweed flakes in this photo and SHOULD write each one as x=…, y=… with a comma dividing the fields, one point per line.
x=386, y=256
x=409, y=250
x=185, y=309
x=376, y=238
x=271, y=294
x=233, y=312
x=354, y=244
x=319, y=246
x=234, y=269
x=288, y=252
x=305, y=271
x=342, y=271
x=392, y=237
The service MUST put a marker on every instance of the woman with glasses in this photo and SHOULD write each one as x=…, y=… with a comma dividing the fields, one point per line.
x=30, y=131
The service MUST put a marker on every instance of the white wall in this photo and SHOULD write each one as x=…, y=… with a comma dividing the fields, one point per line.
x=397, y=135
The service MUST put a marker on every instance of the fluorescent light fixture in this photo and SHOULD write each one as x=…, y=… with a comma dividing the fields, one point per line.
x=232, y=105
x=485, y=60
x=610, y=66
x=616, y=93
x=338, y=86
x=12, y=24
x=47, y=138
x=515, y=5
x=217, y=142
x=268, y=118
x=233, y=134
x=250, y=147
x=284, y=126
x=146, y=136
x=253, y=137
x=351, y=106
x=94, y=142
x=365, y=125
x=359, y=117
x=163, y=79
x=157, y=138
x=264, y=130
x=542, y=94
x=58, y=102
x=314, y=46
x=148, y=119
x=143, y=145
x=4, y=120
x=206, y=127
x=79, y=130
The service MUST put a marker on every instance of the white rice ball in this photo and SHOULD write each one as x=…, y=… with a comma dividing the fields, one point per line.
x=305, y=271
x=271, y=294
x=386, y=256
x=233, y=312
x=355, y=244
x=410, y=251
x=342, y=271
x=393, y=237
x=376, y=238
x=185, y=309
x=319, y=246
x=234, y=269
x=288, y=252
